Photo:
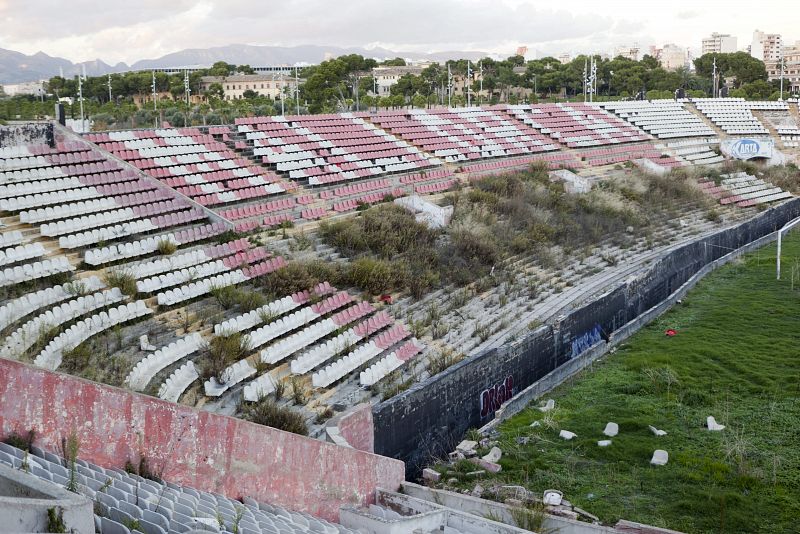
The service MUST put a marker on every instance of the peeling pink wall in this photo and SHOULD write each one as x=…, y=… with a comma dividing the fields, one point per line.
x=196, y=448
x=355, y=426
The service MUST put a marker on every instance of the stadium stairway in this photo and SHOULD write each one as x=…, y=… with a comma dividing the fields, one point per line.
x=773, y=133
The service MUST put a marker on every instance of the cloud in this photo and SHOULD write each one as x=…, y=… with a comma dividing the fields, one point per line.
x=132, y=30
x=686, y=15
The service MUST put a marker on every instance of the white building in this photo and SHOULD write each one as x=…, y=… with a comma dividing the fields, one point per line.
x=25, y=88
x=629, y=52
x=791, y=77
x=234, y=87
x=671, y=56
x=386, y=77
x=719, y=43
x=766, y=46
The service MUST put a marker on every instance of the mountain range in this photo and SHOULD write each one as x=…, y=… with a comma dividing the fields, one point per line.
x=16, y=67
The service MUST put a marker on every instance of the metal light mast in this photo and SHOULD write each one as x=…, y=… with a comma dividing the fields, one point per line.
x=109, y=87
x=297, y=90
x=469, y=85
x=449, y=87
x=480, y=92
x=783, y=71
x=186, y=89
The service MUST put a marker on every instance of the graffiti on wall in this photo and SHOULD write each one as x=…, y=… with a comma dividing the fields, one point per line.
x=586, y=340
x=495, y=396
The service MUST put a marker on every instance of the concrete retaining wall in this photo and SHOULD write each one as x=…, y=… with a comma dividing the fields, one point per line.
x=427, y=420
x=196, y=448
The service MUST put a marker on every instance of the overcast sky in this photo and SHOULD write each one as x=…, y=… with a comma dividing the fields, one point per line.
x=114, y=30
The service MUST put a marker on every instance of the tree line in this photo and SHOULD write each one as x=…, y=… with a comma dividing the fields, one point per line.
x=346, y=83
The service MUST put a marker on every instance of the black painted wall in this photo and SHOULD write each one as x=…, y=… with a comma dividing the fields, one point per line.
x=429, y=419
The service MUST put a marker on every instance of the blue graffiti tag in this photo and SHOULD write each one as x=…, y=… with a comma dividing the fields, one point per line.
x=586, y=340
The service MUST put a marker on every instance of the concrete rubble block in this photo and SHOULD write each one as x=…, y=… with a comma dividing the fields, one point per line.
x=567, y=435
x=713, y=425
x=656, y=431
x=431, y=475
x=478, y=473
x=535, y=424
x=552, y=497
x=145, y=345
x=467, y=447
x=611, y=430
x=549, y=405
x=477, y=491
x=494, y=455
x=488, y=466
x=456, y=456
x=604, y=443
x=660, y=457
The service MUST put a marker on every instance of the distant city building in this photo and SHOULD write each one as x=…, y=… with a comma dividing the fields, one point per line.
x=386, y=77
x=670, y=56
x=719, y=43
x=234, y=87
x=25, y=88
x=564, y=58
x=766, y=46
x=629, y=52
x=791, y=77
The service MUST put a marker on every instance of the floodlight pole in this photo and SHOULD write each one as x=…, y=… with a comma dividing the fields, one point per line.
x=283, y=109
x=786, y=227
x=469, y=86
x=80, y=98
x=297, y=90
x=109, y=88
x=783, y=70
x=449, y=87
x=480, y=93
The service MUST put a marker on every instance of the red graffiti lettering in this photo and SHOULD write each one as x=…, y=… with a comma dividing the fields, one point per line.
x=491, y=399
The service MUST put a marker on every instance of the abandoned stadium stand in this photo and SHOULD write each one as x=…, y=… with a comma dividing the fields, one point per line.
x=464, y=134
x=743, y=190
x=664, y=119
x=681, y=131
x=734, y=115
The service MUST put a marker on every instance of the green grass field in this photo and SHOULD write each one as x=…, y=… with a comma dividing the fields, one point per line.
x=737, y=357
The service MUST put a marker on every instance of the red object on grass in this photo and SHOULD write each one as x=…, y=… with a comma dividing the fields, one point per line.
x=670, y=332
x=386, y=298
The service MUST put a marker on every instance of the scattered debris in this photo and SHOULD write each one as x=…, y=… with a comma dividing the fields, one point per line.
x=523, y=440
x=549, y=405
x=488, y=466
x=660, y=457
x=713, y=425
x=552, y=497
x=611, y=430
x=467, y=448
x=656, y=431
x=477, y=491
x=494, y=455
x=670, y=332
x=536, y=423
x=567, y=435
x=431, y=475
x=145, y=345
x=604, y=443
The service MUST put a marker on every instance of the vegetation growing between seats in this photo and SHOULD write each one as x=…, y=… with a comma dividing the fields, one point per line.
x=734, y=357
x=500, y=217
x=267, y=412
